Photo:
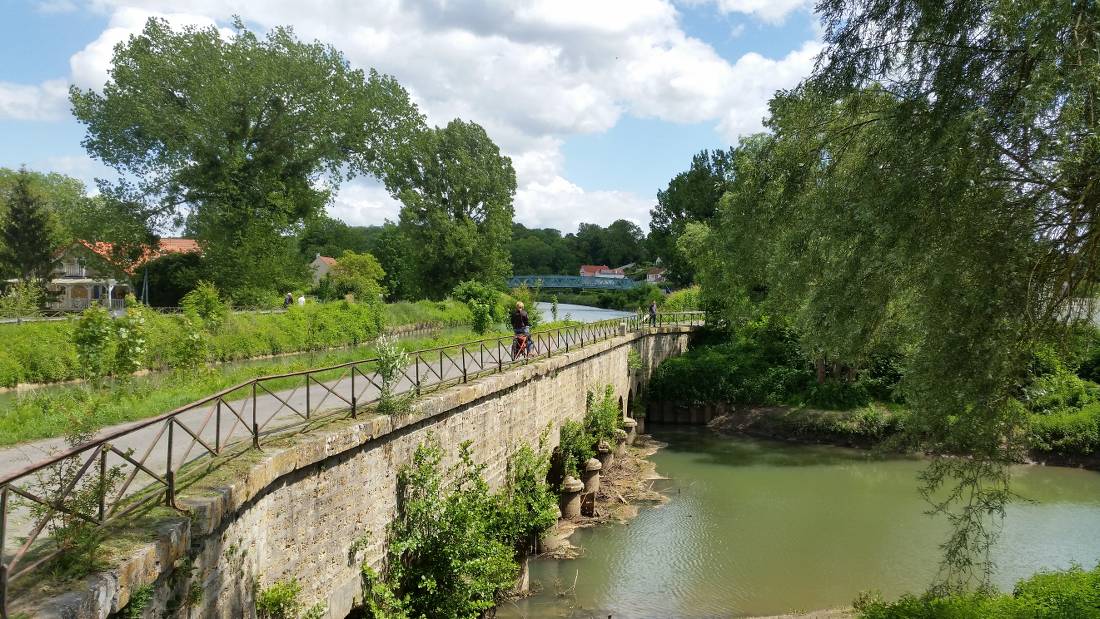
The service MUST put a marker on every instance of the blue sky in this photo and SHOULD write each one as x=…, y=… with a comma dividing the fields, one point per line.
x=598, y=103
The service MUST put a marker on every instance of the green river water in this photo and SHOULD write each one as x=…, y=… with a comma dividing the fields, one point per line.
x=757, y=528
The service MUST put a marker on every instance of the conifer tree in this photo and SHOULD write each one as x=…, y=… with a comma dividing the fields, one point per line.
x=27, y=248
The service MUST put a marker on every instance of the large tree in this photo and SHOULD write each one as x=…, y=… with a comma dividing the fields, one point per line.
x=691, y=196
x=932, y=186
x=242, y=137
x=456, y=189
x=27, y=238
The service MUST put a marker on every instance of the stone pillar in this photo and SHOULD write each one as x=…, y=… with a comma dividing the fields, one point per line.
x=641, y=424
x=622, y=328
x=620, y=442
x=605, y=454
x=591, y=475
x=631, y=426
x=570, y=503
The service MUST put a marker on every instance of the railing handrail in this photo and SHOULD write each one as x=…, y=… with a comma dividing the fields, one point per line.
x=102, y=446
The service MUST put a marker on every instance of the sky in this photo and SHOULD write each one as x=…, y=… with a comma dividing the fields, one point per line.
x=598, y=102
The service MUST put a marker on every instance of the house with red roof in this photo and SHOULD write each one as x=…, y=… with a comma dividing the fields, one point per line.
x=601, y=270
x=99, y=272
x=321, y=265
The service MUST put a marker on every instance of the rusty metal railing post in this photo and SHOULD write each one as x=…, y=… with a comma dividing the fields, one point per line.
x=353, y=391
x=3, y=542
x=218, y=428
x=103, y=481
x=170, y=475
x=307, y=397
x=255, y=425
x=462, y=352
x=416, y=371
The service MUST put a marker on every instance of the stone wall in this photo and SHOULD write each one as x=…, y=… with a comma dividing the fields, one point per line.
x=296, y=513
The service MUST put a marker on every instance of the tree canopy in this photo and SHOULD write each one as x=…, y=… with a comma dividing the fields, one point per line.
x=241, y=138
x=691, y=196
x=456, y=189
x=27, y=233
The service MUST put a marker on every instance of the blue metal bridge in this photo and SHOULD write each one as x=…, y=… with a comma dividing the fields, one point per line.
x=572, y=281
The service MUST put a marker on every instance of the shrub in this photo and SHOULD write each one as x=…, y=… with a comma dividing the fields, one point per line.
x=21, y=300
x=392, y=361
x=280, y=600
x=575, y=447
x=1066, y=432
x=444, y=557
x=1050, y=595
x=526, y=507
x=92, y=337
x=682, y=300
x=483, y=318
x=130, y=340
x=205, y=304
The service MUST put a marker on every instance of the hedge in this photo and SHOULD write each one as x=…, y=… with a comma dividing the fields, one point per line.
x=43, y=352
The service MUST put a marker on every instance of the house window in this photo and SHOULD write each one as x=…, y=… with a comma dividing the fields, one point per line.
x=96, y=292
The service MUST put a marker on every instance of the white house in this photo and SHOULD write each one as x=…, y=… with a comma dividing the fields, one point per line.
x=321, y=265
x=87, y=273
x=655, y=275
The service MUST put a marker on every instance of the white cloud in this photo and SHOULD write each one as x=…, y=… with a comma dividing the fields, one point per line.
x=532, y=73
x=363, y=203
x=46, y=101
x=770, y=11
x=55, y=6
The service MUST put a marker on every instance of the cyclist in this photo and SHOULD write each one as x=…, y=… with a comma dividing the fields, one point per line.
x=521, y=326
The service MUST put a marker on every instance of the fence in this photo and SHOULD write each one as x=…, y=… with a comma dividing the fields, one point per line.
x=153, y=457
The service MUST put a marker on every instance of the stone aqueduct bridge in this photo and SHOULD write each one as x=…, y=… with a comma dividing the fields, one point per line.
x=295, y=511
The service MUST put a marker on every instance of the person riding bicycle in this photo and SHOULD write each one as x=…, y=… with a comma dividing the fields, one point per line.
x=521, y=326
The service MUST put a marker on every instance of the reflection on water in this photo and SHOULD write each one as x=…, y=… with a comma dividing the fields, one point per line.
x=756, y=528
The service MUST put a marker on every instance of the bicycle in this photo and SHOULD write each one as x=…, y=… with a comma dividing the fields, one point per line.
x=521, y=344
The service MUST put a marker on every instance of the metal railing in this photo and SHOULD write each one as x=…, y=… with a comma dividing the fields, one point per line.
x=153, y=457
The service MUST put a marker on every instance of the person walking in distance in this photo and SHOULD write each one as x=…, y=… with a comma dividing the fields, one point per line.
x=653, y=313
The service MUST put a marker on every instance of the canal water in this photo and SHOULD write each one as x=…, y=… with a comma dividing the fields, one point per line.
x=581, y=313
x=759, y=528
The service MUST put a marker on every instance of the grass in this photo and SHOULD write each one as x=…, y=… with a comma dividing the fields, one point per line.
x=43, y=352
x=48, y=413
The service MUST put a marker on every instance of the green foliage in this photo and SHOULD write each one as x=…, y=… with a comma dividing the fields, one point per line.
x=554, y=308
x=485, y=302
x=250, y=138
x=130, y=339
x=356, y=274
x=483, y=317
x=171, y=276
x=392, y=361
x=92, y=336
x=443, y=556
x=691, y=196
x=634, y=361
x=139, y=601
x=456, y=189
x=21, y=299
x=46, y=351
x=630, y=300
x=27, y=232
x=682, y=300
x=603, y=417
x=529, y=297
x=63, y=484
x=527, y=506
x=575, y=445
x=1048, y=595
x=762, y=365
x=205, y=306
x=280, y=600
